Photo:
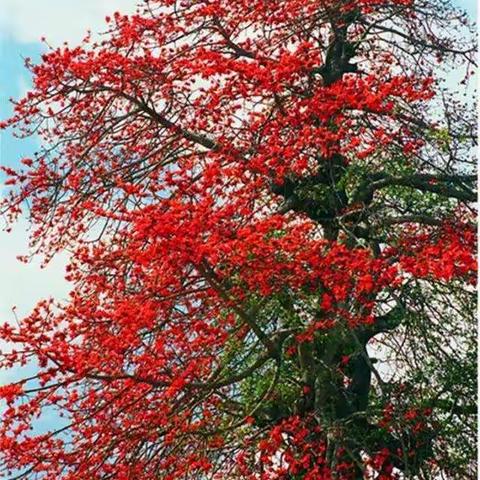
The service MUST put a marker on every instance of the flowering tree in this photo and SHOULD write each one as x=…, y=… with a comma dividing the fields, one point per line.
x=268, y=210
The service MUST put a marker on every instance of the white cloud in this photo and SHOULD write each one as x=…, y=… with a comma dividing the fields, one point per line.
x=23, y=285
x=23, y=87
x=57, y=20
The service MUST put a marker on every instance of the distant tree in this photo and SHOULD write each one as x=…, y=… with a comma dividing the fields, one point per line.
x=268, y=206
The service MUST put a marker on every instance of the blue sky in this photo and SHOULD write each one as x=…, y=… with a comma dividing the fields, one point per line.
x=22, y=24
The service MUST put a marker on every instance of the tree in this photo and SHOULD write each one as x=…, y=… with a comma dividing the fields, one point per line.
x=268, y=207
